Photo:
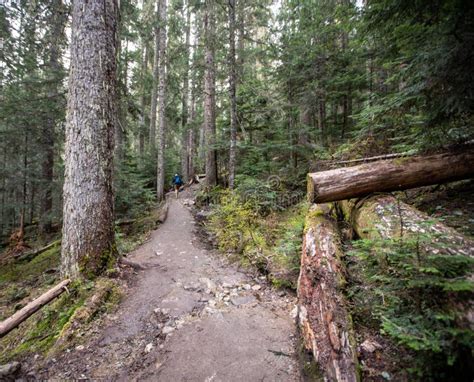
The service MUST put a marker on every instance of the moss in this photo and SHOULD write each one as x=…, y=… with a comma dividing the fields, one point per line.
x=29, y=271
x=93, y=266
x=40, y=335
x=310, y=370
x=56, y=324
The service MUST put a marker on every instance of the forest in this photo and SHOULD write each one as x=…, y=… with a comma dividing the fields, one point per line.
x=324, y=151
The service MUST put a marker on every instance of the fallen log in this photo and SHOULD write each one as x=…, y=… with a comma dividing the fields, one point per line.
x=367, y=159
x=27, y=256
x=385, y=217
x=322, y=315
x=390, y=175
x=12, y=322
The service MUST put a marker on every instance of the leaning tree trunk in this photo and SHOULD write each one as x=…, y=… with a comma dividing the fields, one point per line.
x=385, y=217
x=210, y=96
x=323, y=317
x=390, y=175
x=88, y=244
x=160, y=186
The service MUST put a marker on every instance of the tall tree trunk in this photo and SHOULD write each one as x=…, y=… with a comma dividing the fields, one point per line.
x=154, y=89
x=24, y=188
x=142, y=133
x=232, y=95
x=3, y=221
x=184, y=101
x=58, y=21
x=322, y=118
x=121, y=128
x=240, y=40
x=88, y=244
x=210, y=95
x=160, y=186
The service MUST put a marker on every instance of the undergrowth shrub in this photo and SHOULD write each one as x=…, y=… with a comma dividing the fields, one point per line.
x=269, y=241
x=235, y=224
x=420, y=300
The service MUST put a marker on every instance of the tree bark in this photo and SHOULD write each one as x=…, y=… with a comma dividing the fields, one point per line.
x=385, y=217
x=154, y=89
x=12, y=322
x=390, y=175
x=210, y=95
x=184, y=102
x=88, y=244
x=323, y=317
x=232, y=95
x=160, y=186
x=141, y=137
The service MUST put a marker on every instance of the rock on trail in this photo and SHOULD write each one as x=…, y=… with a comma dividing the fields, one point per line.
x=189, y=316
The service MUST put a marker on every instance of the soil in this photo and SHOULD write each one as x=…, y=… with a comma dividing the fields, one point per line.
x=190, y=315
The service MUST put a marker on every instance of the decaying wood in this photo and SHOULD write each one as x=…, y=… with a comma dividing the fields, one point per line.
x=385, y=217
x=31, y=254
x=12, y=322
x=390, y=175
x=323, y=317
x=368, y=159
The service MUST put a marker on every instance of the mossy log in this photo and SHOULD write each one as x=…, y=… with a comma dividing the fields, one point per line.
x=390, y=175
x=385, y=217
x=323, y=317
x=12, y=322
x=27, y=256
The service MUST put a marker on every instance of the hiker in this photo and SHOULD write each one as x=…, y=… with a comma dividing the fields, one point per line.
x=177, y=182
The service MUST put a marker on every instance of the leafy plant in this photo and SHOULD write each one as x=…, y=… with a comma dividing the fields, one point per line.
x=420, y=300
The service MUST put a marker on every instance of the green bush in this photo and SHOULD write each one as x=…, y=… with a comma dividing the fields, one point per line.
x=235, y=223
x=420, y=300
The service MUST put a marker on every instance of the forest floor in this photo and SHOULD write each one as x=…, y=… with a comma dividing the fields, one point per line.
x=190, y=315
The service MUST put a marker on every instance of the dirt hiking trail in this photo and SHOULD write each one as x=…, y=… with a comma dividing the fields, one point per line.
x=189, y=316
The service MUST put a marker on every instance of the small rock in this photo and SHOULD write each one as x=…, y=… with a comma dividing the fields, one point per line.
x=80, y=347
x=242, y=300
x=202, y=215
x=370, y=346
x=9, y=370
x=148, y=347
x=386, y=375
x=192, y=287
x=458, y=213
x=257, y=287
x=167, y=330
x=227, y=285
x=294, y=312
x=247, y=286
